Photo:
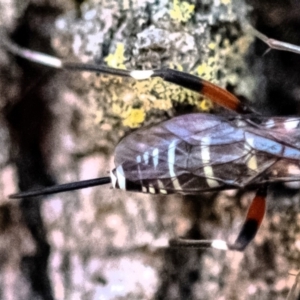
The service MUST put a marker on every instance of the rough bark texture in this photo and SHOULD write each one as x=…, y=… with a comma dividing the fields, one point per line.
x=59, y=127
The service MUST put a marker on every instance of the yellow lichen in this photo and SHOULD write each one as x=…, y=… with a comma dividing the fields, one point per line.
x=176, y=66
x=202, y=69
x=140, y=87
x=181, y=11
x=155, y=93
x=134, y=117
x=212, y=46
x=205, y=105
x=116, y=59
x=207, y=70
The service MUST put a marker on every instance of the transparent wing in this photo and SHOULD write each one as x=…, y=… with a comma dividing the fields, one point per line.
x=199, y=152
x=284, y=130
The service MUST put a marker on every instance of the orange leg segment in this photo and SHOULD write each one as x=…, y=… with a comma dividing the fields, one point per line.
x=217, y=94
x=253, y=220
x=221, y=96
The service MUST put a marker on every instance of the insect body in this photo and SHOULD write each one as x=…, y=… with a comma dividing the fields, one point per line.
x=194, y=153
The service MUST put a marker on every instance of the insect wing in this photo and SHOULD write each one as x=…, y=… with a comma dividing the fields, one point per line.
x=187, y=154
x=285, y=131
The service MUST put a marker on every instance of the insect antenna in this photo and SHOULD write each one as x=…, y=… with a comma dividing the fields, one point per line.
x=63, y=188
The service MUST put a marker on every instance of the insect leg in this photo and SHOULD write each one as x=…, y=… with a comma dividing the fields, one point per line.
x=198, y=244
x=250, y=227
x=194, y=83
x=217, y=94
x=275, y=44
x=253, y=220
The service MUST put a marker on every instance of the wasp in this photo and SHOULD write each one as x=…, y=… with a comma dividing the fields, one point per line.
x=196, y=153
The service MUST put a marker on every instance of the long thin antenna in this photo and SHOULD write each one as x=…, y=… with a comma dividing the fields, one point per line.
x=63, y=188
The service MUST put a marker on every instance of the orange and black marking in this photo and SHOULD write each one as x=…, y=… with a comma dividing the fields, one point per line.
x=253, y=220
x=217, y=94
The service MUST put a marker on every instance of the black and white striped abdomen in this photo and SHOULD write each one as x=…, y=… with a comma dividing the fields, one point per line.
x=195, y=153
